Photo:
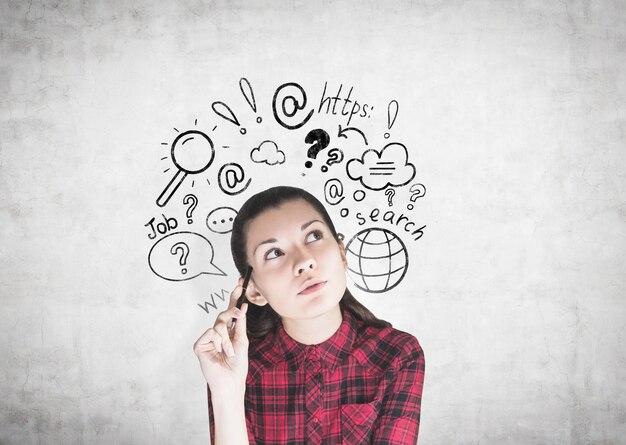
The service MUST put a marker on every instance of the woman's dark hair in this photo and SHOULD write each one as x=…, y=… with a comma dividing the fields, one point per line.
x=263, y=319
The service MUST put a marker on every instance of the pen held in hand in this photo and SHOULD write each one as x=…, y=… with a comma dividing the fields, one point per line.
x=246, y=280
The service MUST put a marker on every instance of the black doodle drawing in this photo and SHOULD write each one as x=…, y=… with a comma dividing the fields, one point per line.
x=182, y=249
x=192, y=202
x=390, y=217
x=168, y=224
x=390, y=193
x=220, y=220
x=246, y=90
x=267, y=152
x=335, y=156
x=224, y=111
x=330, y=102
x=182, y=256
x=333, y=191
x=230, y=176
x=358, y=195
x=320, y=140
x=379, y=257
x=290, y=104
x=392, y=114
x=377, y=260
x=377, y=170
x=222, y=296
x=342, y=133
x=192, y=152
x=417, y=191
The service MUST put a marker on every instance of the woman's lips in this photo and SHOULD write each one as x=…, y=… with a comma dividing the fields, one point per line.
x=313, y=288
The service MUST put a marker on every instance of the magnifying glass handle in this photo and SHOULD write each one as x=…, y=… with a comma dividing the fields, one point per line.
x=169, y=190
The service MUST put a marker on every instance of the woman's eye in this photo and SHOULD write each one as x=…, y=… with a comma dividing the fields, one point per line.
x=314, y=236
x=273, y=253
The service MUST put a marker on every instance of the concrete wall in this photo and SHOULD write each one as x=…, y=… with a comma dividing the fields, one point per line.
x=513, y=114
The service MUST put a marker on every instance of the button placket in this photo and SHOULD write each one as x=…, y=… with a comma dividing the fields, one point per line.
x=313, y=394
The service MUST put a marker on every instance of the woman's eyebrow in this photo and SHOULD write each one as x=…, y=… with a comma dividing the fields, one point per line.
x=274, y=240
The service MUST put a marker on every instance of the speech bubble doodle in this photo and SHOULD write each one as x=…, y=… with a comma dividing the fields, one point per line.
x=165, y=257
x=220, y=220
x=292, y=98
x=333, y=191
x=230, y=176
x=267, y=152
x=377, y=170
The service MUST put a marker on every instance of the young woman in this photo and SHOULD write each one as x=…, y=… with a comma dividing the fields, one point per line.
x=302, y=361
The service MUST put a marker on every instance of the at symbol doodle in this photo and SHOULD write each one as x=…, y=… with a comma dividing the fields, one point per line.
x=230, y=176
x=289, y=105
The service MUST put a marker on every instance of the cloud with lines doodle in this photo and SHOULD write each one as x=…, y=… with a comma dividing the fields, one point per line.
x=377, y=170
x=267, y=152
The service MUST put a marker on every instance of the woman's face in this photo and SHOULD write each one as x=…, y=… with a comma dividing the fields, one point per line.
x=298, y=267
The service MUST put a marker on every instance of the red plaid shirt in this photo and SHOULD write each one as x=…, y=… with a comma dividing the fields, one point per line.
x=361, y=386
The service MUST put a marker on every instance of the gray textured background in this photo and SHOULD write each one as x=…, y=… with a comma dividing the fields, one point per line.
x=515, y=113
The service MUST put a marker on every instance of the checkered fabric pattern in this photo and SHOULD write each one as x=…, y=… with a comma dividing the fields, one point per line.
x=361, y=386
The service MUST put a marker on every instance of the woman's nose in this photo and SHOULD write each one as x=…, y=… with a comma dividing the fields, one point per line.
x=305, y=262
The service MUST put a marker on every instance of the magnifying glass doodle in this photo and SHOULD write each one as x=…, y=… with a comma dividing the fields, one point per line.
x=192, y=153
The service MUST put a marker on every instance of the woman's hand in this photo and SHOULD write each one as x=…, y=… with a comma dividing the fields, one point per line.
x=223, y=349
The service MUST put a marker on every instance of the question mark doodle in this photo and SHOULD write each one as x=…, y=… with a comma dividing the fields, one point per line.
x=184, y=253
x=246, y=90
x=190, y=199
x=294, y=103
x=320, y=140
x=335, y=156
x=224, y=111
x=390, y=194
x=392, y=109
x=417, y=190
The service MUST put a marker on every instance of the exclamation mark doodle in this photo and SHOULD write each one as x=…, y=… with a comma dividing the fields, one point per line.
x=224, y=111
x=392, y=110
x=246, y=90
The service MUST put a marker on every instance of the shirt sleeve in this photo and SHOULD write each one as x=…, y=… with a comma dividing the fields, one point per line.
x=251, y=438
x=399, y=419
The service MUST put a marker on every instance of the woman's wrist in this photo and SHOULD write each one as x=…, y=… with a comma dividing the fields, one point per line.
x=228, y=393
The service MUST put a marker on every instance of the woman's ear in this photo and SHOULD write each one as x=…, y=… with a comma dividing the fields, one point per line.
x=254, y=296
x=342, y=250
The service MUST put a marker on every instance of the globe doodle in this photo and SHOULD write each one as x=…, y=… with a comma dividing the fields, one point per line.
x=377, y=260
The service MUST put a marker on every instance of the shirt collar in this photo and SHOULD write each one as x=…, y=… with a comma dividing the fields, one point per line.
x=330, y=352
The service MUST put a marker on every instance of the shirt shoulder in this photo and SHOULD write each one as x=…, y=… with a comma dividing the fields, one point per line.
x=381, y=349
x=263, y=355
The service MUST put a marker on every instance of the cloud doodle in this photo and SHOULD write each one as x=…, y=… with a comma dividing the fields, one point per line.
x=267, y=152
x=377, y=170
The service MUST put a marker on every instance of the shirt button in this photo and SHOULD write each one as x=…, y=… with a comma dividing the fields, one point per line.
x=312, y=353
x=314, y=366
